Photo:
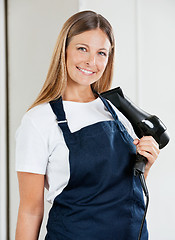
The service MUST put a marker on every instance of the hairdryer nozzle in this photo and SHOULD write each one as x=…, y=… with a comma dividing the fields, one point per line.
x=164, y=139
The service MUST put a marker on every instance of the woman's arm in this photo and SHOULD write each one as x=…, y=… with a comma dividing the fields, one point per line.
x=31, y=207
x=149, y=148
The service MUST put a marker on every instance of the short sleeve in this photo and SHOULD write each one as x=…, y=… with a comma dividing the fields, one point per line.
x=31, y=149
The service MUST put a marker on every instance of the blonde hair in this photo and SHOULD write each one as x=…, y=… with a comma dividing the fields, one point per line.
x=56, y=79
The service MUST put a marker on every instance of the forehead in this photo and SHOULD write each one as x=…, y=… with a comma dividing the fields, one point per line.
x=92, y=38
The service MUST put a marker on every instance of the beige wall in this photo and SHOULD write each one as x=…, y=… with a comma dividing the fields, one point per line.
x=3, y=124
x=33, y=30
x=145, y=37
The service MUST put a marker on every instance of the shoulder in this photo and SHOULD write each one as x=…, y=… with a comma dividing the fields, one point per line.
x=41, y=116
x=41, y=113
x=38, y=121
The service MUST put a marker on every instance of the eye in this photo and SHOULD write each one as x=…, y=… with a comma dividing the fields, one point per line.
x=103, y=54
x=83, y=49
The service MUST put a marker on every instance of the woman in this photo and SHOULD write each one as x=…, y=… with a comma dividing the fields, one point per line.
x=75, y=143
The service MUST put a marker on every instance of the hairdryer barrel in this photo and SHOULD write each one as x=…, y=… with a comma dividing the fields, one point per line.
x=144, y=124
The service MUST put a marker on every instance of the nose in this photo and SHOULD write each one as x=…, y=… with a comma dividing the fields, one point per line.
x=91, y=60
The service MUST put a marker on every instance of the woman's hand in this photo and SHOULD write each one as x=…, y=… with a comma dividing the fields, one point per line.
x=149, y=148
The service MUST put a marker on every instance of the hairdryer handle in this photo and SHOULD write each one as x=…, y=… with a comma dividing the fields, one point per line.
x=140, y=163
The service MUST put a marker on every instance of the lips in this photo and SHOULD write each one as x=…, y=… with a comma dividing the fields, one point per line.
x=85, y=71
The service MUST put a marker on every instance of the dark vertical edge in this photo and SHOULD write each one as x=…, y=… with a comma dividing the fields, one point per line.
x=7, y=117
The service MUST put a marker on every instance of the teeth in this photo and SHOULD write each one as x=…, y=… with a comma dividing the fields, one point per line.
x=85, y=71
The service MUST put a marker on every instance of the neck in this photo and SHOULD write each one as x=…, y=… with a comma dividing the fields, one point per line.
x=79, y=94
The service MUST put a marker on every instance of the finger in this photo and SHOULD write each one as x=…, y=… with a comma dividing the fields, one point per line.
x=149, y=143
x=136, y=141
x=149, y=139
x=150, y=149
x=149, y=157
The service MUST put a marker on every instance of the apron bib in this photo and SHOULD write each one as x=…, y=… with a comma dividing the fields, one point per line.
x=102, y=200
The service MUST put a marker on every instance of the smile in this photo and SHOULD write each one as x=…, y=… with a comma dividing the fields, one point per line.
x=85, y=71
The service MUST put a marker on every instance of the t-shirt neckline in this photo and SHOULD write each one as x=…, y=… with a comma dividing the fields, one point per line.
x=93, y=101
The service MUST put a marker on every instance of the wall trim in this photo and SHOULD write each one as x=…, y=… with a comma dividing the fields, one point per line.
x=3, y=123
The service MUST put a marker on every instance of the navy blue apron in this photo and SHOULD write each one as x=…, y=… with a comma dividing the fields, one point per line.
x=102, y=200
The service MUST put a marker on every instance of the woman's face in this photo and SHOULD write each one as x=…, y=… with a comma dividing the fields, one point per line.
x=87, y=57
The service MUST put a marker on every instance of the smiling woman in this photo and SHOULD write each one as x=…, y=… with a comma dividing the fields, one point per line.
x=76, y=144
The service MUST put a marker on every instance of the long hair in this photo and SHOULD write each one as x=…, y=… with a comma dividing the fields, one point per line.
x=56, y=79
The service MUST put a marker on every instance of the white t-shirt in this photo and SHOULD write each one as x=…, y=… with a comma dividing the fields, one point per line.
x=40, y=144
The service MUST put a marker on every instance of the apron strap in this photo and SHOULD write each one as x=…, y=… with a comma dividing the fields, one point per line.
x=57, y=107
x=107, y=105
x=114, y=115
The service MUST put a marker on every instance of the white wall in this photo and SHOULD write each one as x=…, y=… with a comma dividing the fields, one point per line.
x=145, y=37
x=145, y=69
x=33, y=30
x=157, y=75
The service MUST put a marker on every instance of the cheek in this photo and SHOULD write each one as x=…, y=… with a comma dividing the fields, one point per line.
x=73, y=57
x=103, y=64
x=69, y=58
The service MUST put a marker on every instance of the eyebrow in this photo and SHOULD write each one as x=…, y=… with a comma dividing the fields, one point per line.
x=88, y=46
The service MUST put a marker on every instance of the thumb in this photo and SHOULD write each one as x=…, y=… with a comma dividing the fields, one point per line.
x=136, y=141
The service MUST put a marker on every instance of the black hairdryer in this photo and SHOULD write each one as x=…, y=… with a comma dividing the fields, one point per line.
x=143, y=123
